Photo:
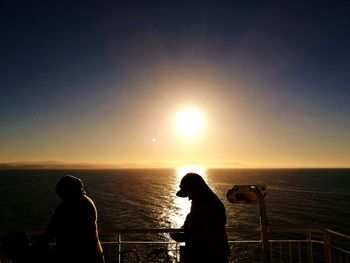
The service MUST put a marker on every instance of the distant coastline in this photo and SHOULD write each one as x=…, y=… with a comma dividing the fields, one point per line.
x=62, y=165
x=128, y=165
x=156, y=165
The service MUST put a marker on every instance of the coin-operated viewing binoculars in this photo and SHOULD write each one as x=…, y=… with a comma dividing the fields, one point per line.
x=253, y=194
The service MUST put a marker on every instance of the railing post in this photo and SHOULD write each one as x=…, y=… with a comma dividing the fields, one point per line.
x=309, y=248
x=238, y=194
x=177, y=251
x=109, y=253
x=264, y=227
x=119, y=247
x=327, y=239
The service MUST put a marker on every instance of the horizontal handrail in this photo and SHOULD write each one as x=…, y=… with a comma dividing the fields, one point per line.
x=104, y=231
x=279, y=229
x=337, y=234
x=110, y=230
x=313, y=235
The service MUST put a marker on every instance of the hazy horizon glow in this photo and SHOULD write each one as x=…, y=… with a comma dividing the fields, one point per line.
x=105, y=85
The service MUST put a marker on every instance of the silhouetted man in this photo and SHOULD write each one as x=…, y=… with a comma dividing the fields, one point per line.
x=204, y=230
x=74, y=225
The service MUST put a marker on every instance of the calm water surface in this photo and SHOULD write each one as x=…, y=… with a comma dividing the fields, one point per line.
x=146, y=198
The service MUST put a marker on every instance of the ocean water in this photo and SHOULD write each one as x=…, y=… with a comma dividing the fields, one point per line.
x=146, y=198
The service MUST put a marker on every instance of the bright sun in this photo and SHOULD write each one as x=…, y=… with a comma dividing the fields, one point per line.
x=190, y=122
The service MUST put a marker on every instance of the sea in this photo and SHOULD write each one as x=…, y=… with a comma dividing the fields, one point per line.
x=145, y=198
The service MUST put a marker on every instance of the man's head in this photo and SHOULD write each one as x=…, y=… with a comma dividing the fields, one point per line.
x=69, y=186
x=191, y=186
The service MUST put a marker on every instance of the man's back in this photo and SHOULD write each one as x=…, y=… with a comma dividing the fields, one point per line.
x=205, y=228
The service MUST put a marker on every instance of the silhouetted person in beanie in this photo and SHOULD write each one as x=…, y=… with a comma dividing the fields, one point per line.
x=204, y=230
x=74, y=225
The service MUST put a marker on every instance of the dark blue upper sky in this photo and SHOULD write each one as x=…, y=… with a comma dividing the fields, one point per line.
x=61, y=60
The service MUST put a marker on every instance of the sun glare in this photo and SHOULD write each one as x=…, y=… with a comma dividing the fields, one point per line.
x=182, y=171
x=189, y=122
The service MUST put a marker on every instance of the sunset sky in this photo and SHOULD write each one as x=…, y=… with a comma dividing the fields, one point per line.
x=106, y=82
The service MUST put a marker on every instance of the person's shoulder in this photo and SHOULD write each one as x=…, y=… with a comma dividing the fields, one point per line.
x=87, y=201
x=217, y=201
x=214, y=197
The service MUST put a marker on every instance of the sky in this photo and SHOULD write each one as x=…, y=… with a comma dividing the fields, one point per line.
x=104, y=82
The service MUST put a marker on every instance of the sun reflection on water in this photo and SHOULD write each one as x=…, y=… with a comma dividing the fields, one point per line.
x=182, y=205
x=181, y=171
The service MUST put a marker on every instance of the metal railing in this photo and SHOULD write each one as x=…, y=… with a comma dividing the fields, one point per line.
x=139, y=245
x=308, y=245
x=286, y=244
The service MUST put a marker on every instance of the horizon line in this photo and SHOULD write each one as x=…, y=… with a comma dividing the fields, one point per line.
x=57, y=165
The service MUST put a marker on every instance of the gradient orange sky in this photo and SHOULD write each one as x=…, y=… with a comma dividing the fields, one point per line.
x=242, y=129
x=99, y=87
